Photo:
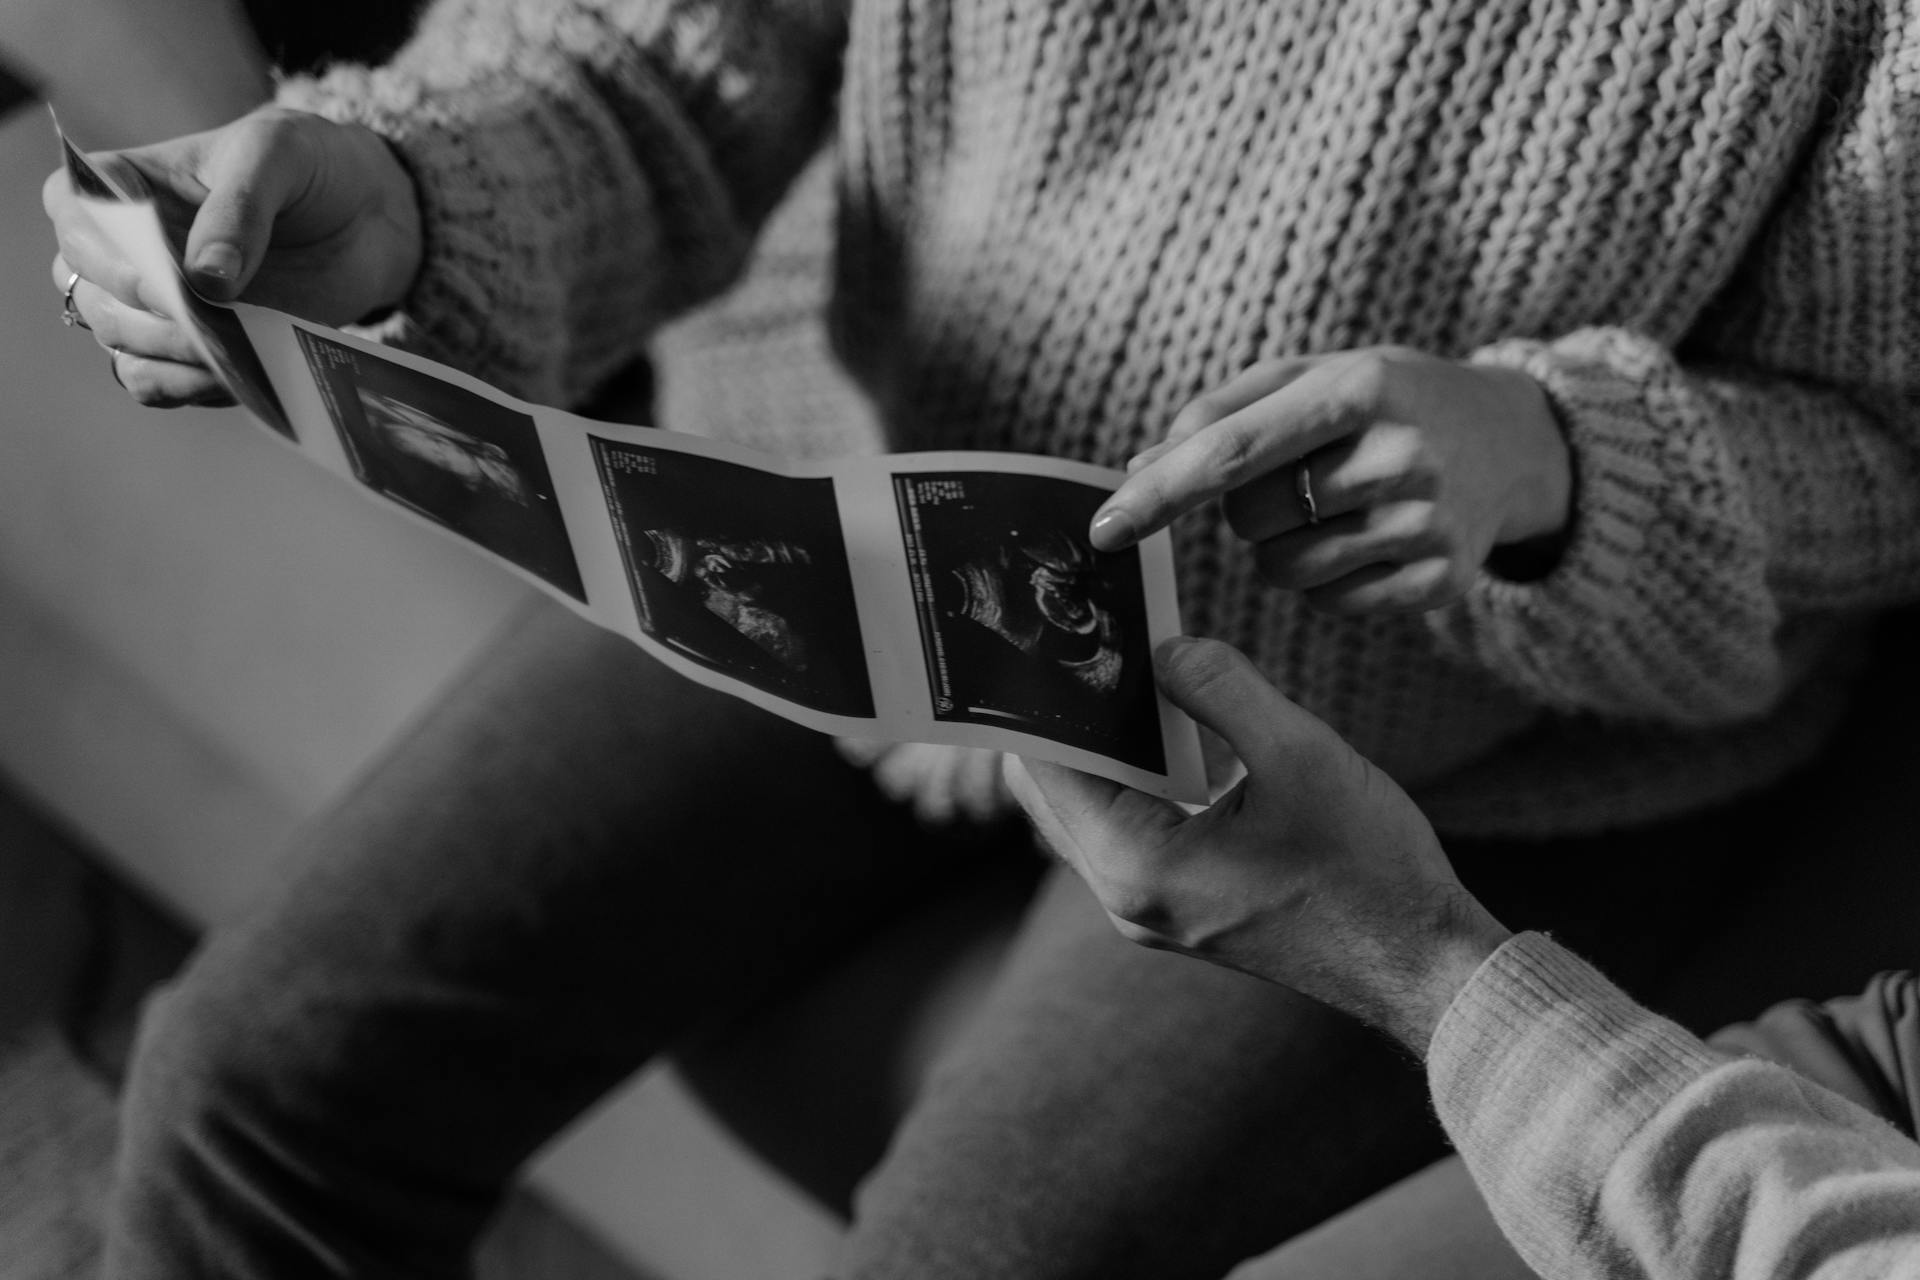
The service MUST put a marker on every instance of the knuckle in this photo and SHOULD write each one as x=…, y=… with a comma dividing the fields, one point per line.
x=1202, y=664
x=136, y=375
x=1137, y=896
x=1416, y=461
x=273, y=126
x=1233, y=448
x=1202, y=411
x=1413, y=529
x=1423, y=585
x=1363, y=383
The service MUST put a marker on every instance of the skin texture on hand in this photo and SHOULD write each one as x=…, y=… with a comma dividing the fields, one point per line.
x=280, y=208
x=1315, y=872
x=1419, y=467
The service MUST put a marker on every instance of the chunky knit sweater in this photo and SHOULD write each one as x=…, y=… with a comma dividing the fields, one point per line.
x=1059, y=221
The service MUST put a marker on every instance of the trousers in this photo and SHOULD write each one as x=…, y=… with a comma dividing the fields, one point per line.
x=581, y=858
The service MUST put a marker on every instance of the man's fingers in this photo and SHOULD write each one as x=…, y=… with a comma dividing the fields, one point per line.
x=254, y=171
x=1215, y=684
x=1307, y=412
x=1080, y=814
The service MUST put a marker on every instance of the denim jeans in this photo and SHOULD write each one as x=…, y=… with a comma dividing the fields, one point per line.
x=580, y=858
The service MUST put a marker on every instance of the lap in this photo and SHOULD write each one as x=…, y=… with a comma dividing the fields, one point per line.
x=554, y=874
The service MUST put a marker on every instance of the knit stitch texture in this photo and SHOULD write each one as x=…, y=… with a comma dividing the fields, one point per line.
x=1059, y=222
x=1608, y=1142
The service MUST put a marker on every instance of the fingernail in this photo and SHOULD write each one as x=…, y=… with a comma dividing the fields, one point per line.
x=221, y=261
x=1112, y=529
x=1138, y=461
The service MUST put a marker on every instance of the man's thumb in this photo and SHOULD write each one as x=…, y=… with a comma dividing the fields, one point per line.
x=249, y=182
x=1076, y=812
x=1215, y=684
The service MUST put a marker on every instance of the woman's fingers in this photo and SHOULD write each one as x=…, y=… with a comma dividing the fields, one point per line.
x=117, y=326
x=1393, y=588
x=1395, y=534
x=166, y=384
x=1313, y=409
x=1381, y=464
x=153, y=358
x=82, y=248
x=1254, y=383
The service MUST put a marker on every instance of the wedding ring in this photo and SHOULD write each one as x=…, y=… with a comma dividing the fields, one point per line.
x=69, y=314
x=1303, y=488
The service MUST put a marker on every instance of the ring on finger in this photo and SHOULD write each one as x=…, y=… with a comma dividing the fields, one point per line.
x=69, y=314
x=1303, y=489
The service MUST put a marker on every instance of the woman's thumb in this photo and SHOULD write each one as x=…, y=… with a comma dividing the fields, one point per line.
x=252, y=176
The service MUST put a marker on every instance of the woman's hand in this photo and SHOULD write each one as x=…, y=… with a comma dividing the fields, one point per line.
x=1415, y=469
x=1316, y=872
x=280, y=207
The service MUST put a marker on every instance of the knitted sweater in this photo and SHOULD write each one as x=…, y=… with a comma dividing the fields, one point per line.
x=1060, y=221
x=1610, y=1143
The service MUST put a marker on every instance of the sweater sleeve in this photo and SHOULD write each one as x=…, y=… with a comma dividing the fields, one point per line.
x=1735, y=499
x=1608, y=1142
x=586, y=168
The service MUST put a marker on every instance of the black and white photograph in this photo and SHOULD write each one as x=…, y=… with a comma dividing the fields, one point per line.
x=740, y=570
x=1023, y=624
x=456, y=458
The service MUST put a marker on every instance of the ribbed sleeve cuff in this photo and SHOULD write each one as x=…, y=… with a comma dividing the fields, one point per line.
x=1658, y=606
x=1617, y=471
x=549, y=216
x=1541, y=1071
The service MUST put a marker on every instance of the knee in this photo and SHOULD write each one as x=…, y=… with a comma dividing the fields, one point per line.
x=212, y=1057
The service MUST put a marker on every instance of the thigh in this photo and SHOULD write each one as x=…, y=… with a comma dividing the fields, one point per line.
x=1118, y=1112
x=556, y=872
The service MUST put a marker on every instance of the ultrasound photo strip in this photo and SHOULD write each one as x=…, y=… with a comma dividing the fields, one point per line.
x=935, y=597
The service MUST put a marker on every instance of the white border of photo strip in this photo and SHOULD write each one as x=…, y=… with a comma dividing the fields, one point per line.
x=864, y=493
x=862, y=486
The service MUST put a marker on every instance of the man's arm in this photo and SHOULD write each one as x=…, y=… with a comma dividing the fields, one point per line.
x=1608, y=1141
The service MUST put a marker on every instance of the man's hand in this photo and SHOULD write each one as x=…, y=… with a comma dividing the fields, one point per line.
x=1415, y=469
x=280, y=207
x=1316, y=872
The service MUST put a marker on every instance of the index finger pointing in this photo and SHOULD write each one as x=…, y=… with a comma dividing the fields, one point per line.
x=1313, y=410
